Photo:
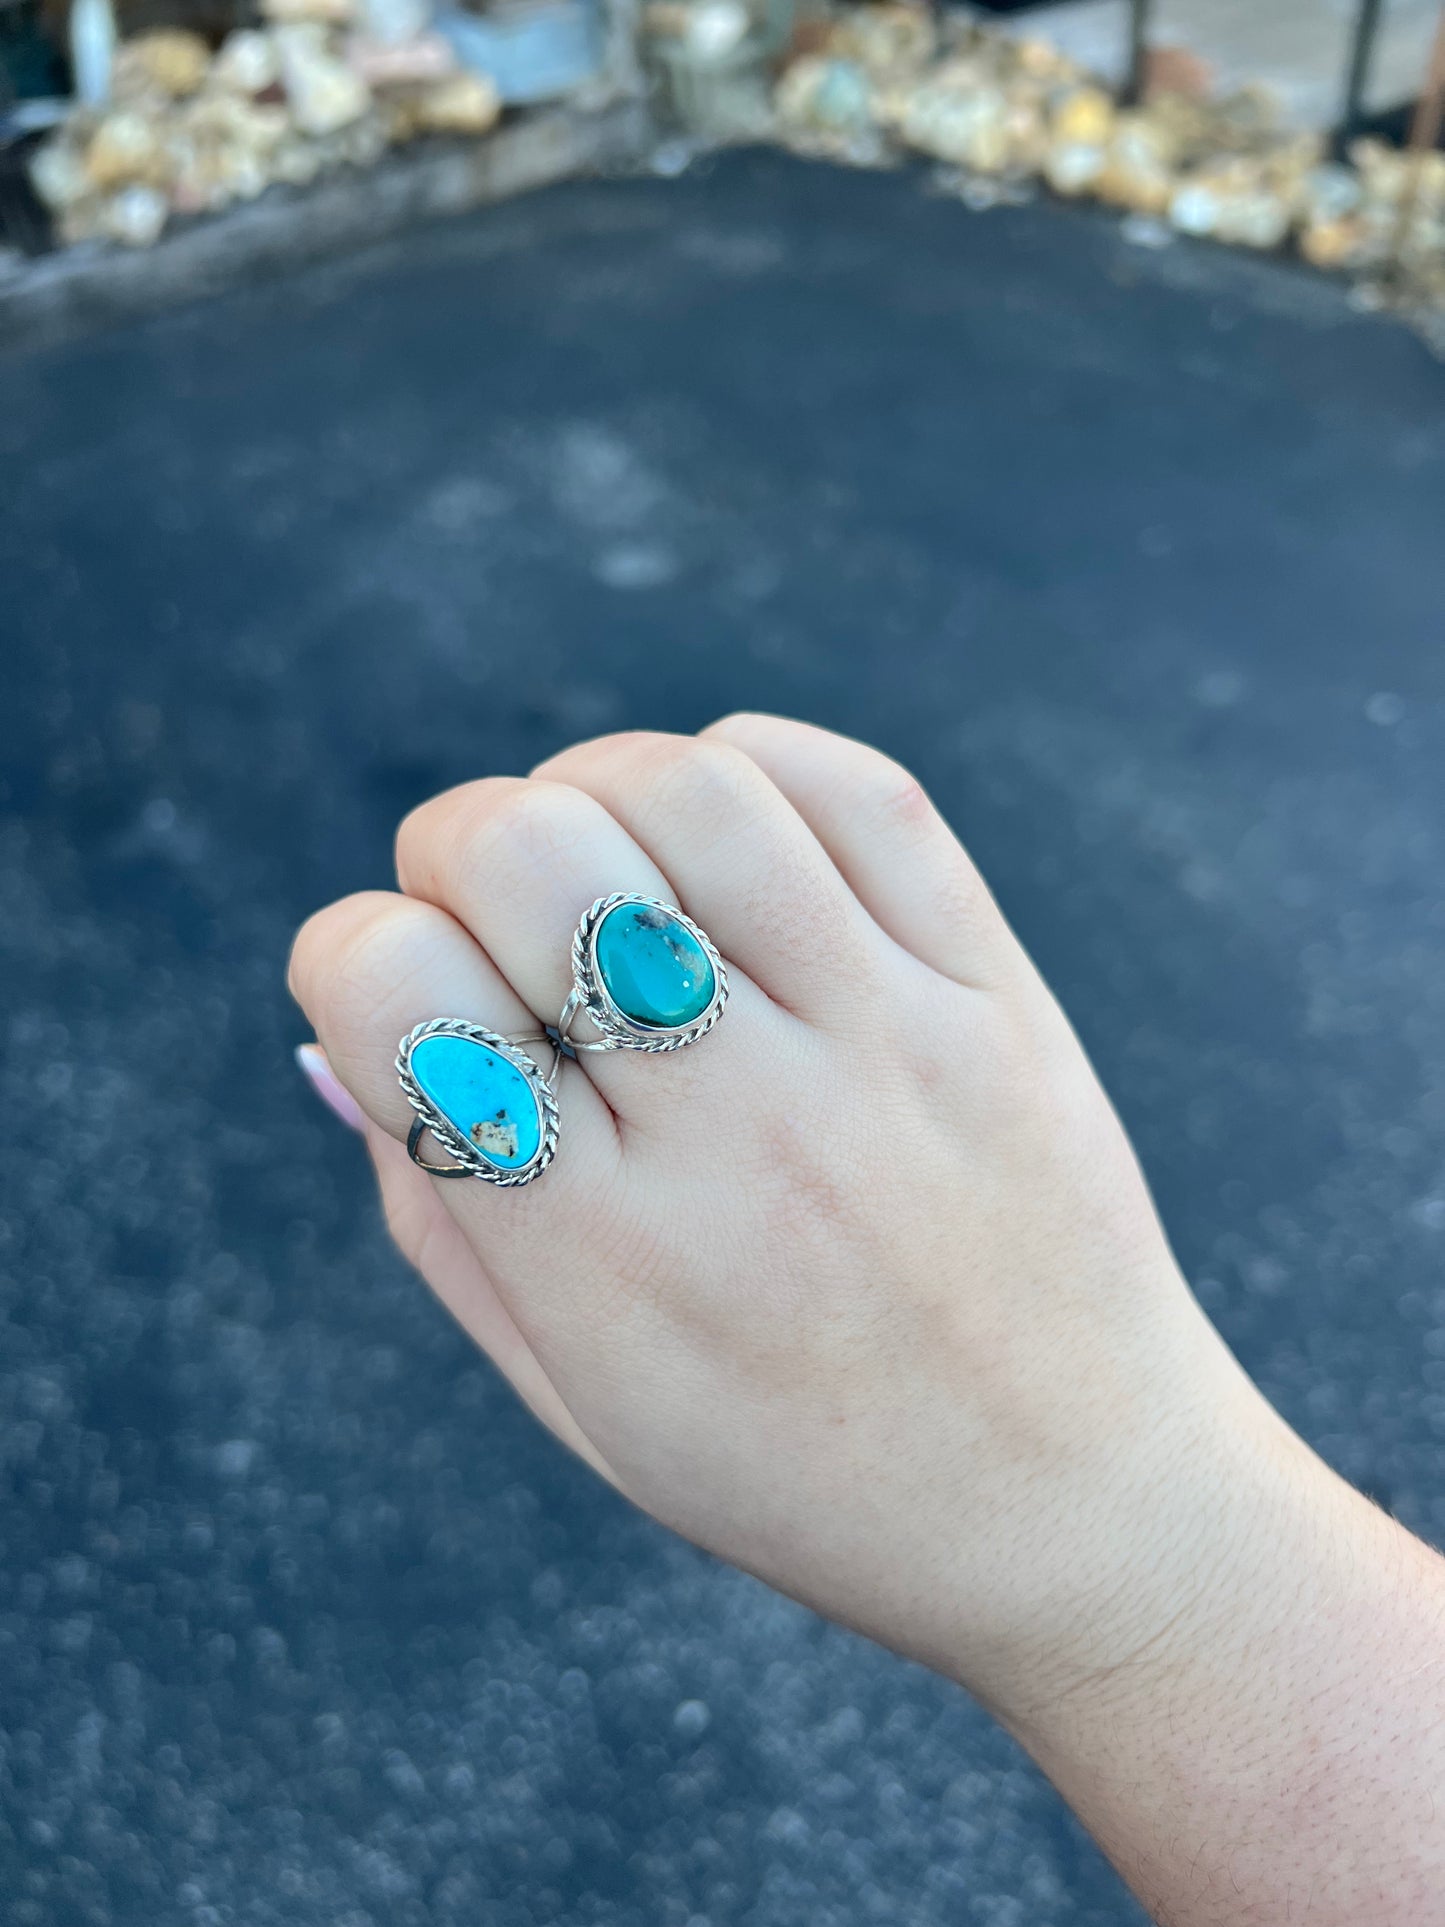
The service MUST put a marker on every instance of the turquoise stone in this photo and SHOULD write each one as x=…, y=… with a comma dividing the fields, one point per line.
x=486, y=1098
x=653, y=967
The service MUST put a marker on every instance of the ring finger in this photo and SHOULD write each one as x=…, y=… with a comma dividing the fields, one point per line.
x=518, y=861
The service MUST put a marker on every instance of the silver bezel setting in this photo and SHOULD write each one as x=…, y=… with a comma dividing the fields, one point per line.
x=470, y=1161
x=616, y=1030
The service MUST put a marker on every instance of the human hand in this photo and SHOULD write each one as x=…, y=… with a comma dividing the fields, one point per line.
x=864, y=1292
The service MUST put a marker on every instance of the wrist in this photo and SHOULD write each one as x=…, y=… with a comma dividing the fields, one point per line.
x=1280, y=1701
x=1136, y=1536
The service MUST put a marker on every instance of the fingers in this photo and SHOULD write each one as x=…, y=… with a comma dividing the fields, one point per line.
x=518, y=861
x=741, y=859
x=366, y=970
x=432, y=1240
x=895, y=851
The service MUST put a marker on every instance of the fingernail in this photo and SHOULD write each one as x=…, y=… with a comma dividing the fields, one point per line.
x=311, y=1060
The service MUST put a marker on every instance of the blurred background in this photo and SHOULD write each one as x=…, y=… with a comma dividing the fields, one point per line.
x=1051, y=399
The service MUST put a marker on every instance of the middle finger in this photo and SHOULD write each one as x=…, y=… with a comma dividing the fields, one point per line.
x=518, y=861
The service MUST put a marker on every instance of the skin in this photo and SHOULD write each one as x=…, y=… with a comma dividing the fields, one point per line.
x=865, y=1293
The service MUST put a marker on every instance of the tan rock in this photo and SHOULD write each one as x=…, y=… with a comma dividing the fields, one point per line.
x=1260, y=219
x=465, y=103
x=221, y=148
x=223, y=116
x=1027, y=134
x=399, y=111
x=886, y=41
x=1084, y=117
x=1339, y=243
x=1421, y=181
x=246, y=63
x=1041, y=60
x=1138, y=171
x=325, y=13
x=666, y=19
x=1233, y=200
x=963, y=115
x=193, y=188
x=59, y=174
x=127, y=147
x=1383, y=170
x=170, y=63
x=1187, y=129
x=83, y=221
x=323, y=93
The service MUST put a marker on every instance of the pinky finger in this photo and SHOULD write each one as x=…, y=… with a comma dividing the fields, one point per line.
x=432, y=1241
x=901, y=860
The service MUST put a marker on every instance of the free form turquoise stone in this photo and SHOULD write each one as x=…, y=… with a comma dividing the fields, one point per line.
x=486, y=1098
x=653, y=967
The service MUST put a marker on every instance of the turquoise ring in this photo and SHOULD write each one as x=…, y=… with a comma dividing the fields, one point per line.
x=645, y=975
x=484, y=1100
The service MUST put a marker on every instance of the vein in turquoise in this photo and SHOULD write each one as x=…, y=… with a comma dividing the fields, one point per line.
x=653, y=967
x=484, y=1096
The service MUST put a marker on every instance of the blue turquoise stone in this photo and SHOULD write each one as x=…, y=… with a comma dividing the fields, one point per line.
x=486, y=1098
x=653, y=967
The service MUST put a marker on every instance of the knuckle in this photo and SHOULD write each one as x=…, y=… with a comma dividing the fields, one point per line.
x=960, y=899
x=515, y=812
x=531, y=831
x=757, y=725
x=527, y=818
x=363, y=960
x=900, y=799
x=683, y=774
x=324, y=937
x=665, y=774
x=425, y=834
x=566, y=762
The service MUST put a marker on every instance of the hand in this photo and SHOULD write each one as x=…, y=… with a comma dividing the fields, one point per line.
x=864, y=1291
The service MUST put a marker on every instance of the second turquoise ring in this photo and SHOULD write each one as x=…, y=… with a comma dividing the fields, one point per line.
x=483, y=1099
x=645, y=976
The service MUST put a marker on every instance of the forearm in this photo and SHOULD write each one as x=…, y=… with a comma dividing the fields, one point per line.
x=1275, y=1751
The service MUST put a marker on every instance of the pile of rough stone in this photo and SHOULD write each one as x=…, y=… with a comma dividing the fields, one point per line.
x=1007, y=112
x=187, y=130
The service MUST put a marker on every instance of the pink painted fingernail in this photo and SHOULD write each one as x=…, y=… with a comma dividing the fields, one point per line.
x=323, y=1080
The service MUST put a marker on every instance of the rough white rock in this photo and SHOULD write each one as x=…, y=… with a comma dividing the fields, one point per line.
x=135, y=217
x=322, y=92
x=246, y=63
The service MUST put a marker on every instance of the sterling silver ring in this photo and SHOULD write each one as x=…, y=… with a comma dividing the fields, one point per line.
x=484, y=1100
x=645, y=976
